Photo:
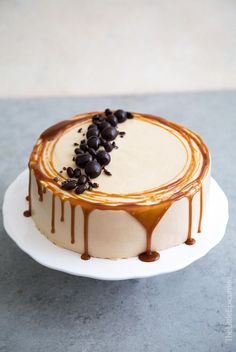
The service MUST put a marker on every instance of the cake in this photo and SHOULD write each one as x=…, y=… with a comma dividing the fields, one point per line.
x=116, y=184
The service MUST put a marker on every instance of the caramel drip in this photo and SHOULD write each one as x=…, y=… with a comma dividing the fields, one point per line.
x=149, y=257
x=27, y=213
x=201, y=210
x=53, y=215
x=146, y=207
x=190, y=241
x=149, y=218
x=40, y=190
x=72, y=235
x=62, y=210
x=85, y=255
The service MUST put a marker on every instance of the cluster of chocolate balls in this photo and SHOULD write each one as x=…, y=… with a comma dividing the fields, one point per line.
x=93, y=153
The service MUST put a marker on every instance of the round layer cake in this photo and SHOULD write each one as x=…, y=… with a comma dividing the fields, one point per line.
x=133, y=186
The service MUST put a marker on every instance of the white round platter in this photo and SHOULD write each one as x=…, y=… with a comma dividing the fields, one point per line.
x=25, y=234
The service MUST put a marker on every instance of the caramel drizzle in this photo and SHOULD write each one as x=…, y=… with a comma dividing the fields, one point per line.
x=86, y=212
x=53, y=214
x=72, y=234
x=62, y=210
x=149, y=216
x=40, y=190
x=149, y=219
x=190, y=240
x=201, y=210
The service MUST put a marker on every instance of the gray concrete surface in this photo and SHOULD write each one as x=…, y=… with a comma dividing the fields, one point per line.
x=44, y=310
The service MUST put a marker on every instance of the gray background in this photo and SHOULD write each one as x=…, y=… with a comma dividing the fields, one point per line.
x=45, y=310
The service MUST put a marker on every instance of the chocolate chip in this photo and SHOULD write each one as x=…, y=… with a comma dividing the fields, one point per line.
x=80, y=189
x=129, y=115
x=103, y=157
x=96, y=116
x=56, y=179
x=94, y=142
x=109, y=133
x=97, y=119
x=78, y=151
x=106, y=172
x=107, y=146
x=92, y=152
x=108, y=112
x=82, y=159
x=79, y=130
x=112, y=120
x=92, y=126
x=103, y=125
x=114, y=145
x=77, y=172
x=64, y=168
x=93, y=169
x=121, y=134
x=92, y=132
x=70, y=172
x=75, y=144
x=82, y=180
x=94, y=185
x=84, y=147
x=68, y=185
x=121, y=115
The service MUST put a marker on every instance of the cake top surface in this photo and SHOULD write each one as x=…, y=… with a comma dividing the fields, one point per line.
x=156, y=161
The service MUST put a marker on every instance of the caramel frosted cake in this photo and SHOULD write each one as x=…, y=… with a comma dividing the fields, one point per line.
x=116, y=184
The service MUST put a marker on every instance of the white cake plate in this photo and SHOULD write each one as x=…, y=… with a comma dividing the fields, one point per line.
x=25, y=234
